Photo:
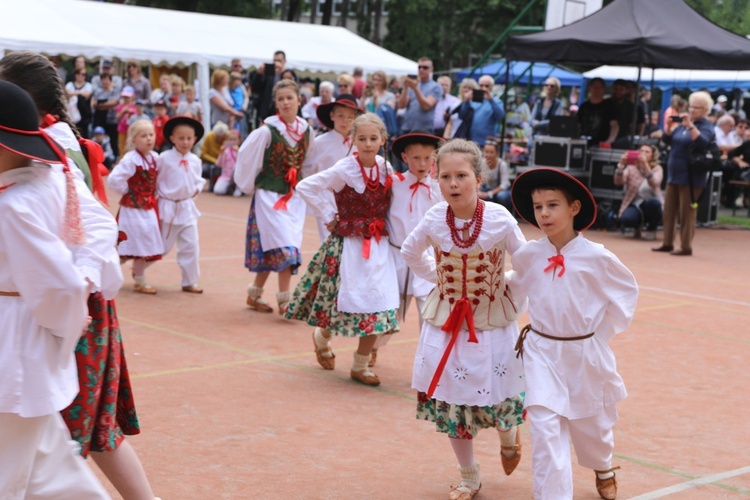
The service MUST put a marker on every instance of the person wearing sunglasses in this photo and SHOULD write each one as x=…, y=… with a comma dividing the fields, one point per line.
x=420, y=96
x=141, y=85
x=547, y=106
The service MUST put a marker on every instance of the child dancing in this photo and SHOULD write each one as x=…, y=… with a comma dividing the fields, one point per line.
x=134, y=177
x=268, y=165
x=465, y=367
x=580, y=296
x=350, y=287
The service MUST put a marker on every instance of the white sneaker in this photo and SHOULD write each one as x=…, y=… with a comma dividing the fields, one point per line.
x=237, y=193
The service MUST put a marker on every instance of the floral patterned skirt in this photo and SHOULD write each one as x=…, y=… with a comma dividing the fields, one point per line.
x=314, y=298
x=258, y=261
x=103, y=412
x=463, y=422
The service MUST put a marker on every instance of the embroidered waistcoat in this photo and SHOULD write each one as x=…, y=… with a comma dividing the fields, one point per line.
x=278, y=159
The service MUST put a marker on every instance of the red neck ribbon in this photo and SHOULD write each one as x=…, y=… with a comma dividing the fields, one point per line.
x=555, y=262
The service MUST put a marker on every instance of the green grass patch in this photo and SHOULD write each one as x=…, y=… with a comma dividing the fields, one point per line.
x=735, y=221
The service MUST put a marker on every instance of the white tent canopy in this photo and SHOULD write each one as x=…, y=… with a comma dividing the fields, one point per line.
x=676, y=78
x=98, y=29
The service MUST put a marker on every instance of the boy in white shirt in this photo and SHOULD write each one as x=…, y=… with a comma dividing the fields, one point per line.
x=178, y=183
x=580, y=296
x=414, y=193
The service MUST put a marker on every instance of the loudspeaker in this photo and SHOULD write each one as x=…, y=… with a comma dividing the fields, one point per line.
x=708, y=206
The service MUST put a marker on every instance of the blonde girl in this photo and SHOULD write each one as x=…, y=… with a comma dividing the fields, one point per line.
x=350, y=287
x=268, y=167
x=465, y=369
x=135, y=179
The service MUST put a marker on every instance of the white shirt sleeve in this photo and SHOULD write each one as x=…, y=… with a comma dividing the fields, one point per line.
x=250, y=159
x=415, y=251
x=621, y=291
x=315, y=191
x=117, y=180
x=42, y=268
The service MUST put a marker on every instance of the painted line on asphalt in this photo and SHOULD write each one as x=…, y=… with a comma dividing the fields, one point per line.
x=697, y=296
x=711, y=480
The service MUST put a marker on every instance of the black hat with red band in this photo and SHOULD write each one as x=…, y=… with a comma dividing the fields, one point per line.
x=552, y=178
x=406, y=140
x=324, y=111
x=19, y=127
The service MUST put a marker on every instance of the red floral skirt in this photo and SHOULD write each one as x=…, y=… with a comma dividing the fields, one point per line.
x=103, y=412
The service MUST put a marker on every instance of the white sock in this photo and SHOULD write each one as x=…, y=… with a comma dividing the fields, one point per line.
x=140, y=280
x=508, y=438
x=464, y=451
x=254, y=292
x=360, y=362
x=470, y=476
x=605, y=475
x=283, y=298
x=323, y=342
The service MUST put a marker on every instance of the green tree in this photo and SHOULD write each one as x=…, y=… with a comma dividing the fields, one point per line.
x=242, y=8
x=732, y=15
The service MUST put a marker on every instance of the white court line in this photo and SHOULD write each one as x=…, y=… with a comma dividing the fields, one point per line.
x=695, y=296
x=692, y=484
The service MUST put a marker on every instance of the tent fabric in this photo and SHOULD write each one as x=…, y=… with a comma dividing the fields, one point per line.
x=538, y=73
x=648, y=33
x=667, y=79
x=98, y=29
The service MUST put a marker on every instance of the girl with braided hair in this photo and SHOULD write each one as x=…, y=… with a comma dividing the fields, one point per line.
x=99, y=353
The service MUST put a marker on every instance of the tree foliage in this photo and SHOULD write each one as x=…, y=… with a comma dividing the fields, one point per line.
x=450, y=32
x=241, y=8
x=732, y=15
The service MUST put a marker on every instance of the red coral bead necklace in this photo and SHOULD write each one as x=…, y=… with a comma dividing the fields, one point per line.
x=457, y=232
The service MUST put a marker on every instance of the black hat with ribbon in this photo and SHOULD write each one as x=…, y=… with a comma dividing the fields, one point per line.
x=551, y=178
x=19, y=127
x=183, y=120
x=324, y=110
x=402, y=142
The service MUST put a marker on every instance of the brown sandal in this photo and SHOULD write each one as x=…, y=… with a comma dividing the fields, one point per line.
x=607, y=488
x=365, y=377
x=510, y=463
x=327, y=362
x=463, y=492
x=373, y=358
x=145, y=289
x=259, y=305
x=192, y=289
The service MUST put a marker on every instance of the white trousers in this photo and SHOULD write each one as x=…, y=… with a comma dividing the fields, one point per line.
x=188, y=249
x=593, y=441
x=39, y=460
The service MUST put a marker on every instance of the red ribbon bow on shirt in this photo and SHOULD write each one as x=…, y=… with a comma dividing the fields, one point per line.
x=376, y=230
x=184, y=164
x=348, y=141
x=461, y=311
x=555, y=262
x=3, y=188
x=291, y=178
x=414, y=188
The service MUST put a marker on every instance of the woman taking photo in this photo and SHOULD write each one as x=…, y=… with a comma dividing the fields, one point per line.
x=642, y=204
x=684, y=185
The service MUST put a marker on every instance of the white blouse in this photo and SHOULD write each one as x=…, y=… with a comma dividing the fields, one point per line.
x=178, y=183
x=593, y=292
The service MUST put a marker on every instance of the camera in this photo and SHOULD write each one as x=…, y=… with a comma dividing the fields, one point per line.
x=675, y=119
x=477, y=95
x=631, y=157
x=412, y=77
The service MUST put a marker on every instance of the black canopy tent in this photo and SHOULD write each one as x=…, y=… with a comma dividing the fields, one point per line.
x=650, y=33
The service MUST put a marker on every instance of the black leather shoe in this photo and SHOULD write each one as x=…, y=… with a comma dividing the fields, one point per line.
x=663, y=248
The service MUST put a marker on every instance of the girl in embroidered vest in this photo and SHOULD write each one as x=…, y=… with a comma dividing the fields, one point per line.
x=269, y=166
x=103, y=412
x=350, y=287
x=465, y=367
x=135, y=179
